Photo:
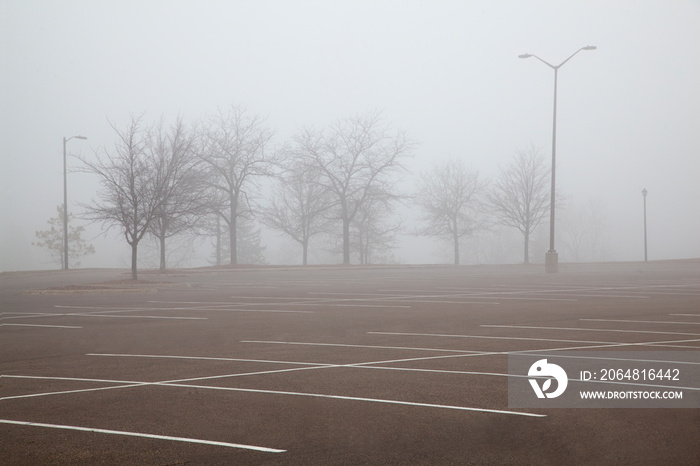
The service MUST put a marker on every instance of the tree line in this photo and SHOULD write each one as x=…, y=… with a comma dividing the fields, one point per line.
x=165, y=180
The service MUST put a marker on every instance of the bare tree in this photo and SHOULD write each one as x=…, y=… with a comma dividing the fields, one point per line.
x=181, y=251
x=584, y=229
x=129, y=195
x=373, y=234
x=299, y=206
x=215, y=228
x=354, y=157
x=52, y=239
x=249, y=244
x=182, y=195
x=233, y=149
x=251, y=249
x=520, y=196
x=449, y=196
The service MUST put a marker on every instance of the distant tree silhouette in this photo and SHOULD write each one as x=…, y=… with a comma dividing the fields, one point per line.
x=373, y=232
x=52, y=239
x=520, y=196
x=129, y=197
x=450, y=197
x=249, y=244
x=299, y=207
x=182, y=197
x=353, y=158
x=233, y=150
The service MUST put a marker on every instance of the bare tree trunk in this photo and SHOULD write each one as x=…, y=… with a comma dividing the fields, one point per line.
x=134, y=246
x=161, y=238
x=305, y=250
x=456, y=245
x=233, y=233
x=361, y=247
x=456, y=240
x=346, y=240
x=527, y=248
x=218, y=240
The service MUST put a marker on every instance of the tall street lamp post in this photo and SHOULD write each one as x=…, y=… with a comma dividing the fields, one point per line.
x=551, y=258
x=65, y=202
x=644, y=194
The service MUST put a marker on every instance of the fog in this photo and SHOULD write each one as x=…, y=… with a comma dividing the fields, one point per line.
x=446, y=72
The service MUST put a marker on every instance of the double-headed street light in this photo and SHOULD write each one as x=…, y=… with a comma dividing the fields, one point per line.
x=65, y=202
x=551, y=259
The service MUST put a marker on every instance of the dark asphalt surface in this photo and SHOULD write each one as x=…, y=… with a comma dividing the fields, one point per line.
x=317, y=362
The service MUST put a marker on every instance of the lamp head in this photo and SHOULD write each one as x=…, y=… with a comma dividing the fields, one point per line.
x=644, y=192
x=590, y=47
x=525, y=55
x=80, y=137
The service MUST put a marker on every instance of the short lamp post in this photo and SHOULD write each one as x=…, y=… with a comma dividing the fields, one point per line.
x=65, y=202
x=551, y=259
x=644, y=194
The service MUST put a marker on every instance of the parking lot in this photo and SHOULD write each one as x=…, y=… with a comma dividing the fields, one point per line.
x=331, y=365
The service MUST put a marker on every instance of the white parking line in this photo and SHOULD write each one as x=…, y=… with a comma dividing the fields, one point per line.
x=22, y=315
x=692, y=363
x=311, y=366
x=372, y=400
x=103, y=308
x=100, y=312
x=70, y=379
x=517, y=376
x=66, y=392
x=207, y=304
x=641, y=321
x=531, y=298
x=272, y=311
x=278, y=392
x=209, y=307
x=455, y=353
x=239, y=374
x=224, y=376
x=606, y=295
x=344, y=345
x=325, y=304
x=37, y=325
x=466, y=353
x=206, y=358
x=405, y=298
x=396, y=306
x=134, y=317
x=573, y=292
x=33, y=315
x=490, y=337
x=590, y=329
x=137, y=434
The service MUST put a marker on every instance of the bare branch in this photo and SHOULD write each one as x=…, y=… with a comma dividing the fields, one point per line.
x=182, y=191
x=234, y=150
x=128, y=197
x=299, y=206
x=520, y=196
x=355, y=157
x=449, y=196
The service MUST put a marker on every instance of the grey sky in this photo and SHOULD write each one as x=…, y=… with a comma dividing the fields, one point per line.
x=445, y=71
